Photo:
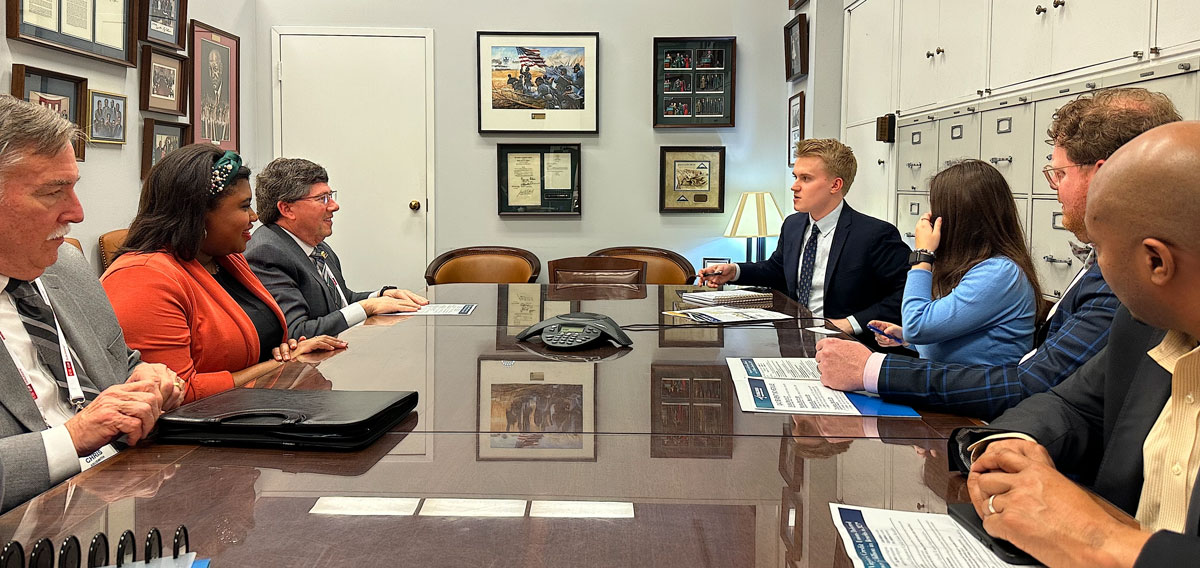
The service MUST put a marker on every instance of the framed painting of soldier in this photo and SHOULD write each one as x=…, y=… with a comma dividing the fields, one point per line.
x=215, y=106
x=538, y=82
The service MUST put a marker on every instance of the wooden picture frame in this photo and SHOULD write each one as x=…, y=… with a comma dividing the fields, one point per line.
x=514, y=94
x=508, y=424
x=216, y=86
x=64, y=93
x=694, y=82
x=691, y=179
x=538, y=179
x=670, y=299
x=795, y=125
x=160, y=138
x=162, y=23
x=163, y=81
x=107, y=118
x=691, y=411
x=108, y=35
x=795, y=48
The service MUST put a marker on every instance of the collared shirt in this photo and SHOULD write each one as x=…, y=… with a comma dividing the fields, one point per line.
x=353, y=311
x=1171, y=453
x=51, y=401
x=827, y=225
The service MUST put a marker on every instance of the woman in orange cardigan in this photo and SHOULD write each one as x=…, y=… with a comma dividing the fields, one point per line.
x=182, y=290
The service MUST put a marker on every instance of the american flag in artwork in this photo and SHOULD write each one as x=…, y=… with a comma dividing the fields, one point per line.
x=531, y=57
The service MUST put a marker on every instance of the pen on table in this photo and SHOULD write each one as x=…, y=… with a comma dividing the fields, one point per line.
x=885, y=334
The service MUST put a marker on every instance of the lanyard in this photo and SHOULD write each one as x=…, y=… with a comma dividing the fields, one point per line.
x=73, y=388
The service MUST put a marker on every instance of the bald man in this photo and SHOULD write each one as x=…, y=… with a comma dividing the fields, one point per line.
x=1125, y=423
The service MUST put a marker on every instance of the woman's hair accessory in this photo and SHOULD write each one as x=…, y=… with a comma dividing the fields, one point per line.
x=228, y=164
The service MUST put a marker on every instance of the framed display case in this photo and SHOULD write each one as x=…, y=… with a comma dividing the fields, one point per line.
x=65, y=94
x=100, y=30
x=538, y=82
x=694, y=81
x=538, y=179
x=691, y=179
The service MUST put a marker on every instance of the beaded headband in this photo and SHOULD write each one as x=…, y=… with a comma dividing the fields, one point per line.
x=227, y=165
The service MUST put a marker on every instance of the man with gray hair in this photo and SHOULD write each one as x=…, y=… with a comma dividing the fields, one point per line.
x=289, y=254
x=69, y=386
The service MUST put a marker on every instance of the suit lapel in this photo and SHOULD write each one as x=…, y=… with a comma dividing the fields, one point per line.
x=840, y=235
x=302, y=259
x=85, y=347
x=15, y=396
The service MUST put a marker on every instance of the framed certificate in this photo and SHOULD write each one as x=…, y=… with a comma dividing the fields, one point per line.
x=538, y=82
x=538, y=179
x=100, y=29
x=693, y=81
x=691, y=179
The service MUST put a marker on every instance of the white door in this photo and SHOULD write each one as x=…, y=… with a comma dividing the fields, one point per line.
x=371, y=126
x=920, y=54
x=868, y=90
x=1098, y=31
x=962, y=65
x=1020, y=40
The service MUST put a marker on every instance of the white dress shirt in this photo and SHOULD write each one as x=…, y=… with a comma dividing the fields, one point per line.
x=353, y=311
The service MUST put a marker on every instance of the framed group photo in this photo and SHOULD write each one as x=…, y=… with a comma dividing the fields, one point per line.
x=164, y=81
x=534, y=409
x=538, y=82
x=693, y=81
x=160, y=138
x=107, y=117
x=65, y=94
x=215, y=83
x=795, y=125
x=101, y=30
x=161, y=22
x=538, y=179
x=691, y=179
x=795, y=48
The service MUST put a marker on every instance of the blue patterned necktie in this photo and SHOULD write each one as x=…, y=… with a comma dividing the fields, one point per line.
x=806, y=267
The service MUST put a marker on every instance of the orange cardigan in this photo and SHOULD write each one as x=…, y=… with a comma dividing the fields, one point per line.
x=177, y=314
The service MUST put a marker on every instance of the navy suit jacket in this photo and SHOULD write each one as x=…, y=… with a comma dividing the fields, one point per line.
x=1078, y=330
x=865, y=273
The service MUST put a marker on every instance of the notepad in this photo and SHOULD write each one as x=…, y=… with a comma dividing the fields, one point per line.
x=728, y=298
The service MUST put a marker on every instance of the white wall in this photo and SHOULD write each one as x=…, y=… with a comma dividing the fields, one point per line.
x=620, y=164
x=112, y=174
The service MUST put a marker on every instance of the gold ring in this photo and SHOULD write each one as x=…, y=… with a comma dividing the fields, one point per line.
x=991, y=509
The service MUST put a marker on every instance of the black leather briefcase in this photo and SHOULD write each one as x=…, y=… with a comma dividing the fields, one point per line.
x=332, y=420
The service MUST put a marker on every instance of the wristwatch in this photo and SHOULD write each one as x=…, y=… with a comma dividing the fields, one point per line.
x=920, y=255
x=385, y=289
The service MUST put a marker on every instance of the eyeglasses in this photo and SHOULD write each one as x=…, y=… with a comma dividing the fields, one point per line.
x=323, y=199
x=1054, y=176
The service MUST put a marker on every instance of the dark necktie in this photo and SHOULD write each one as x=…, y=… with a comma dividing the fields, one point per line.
x=38, y=320
x=318, y=257
x=806, y=267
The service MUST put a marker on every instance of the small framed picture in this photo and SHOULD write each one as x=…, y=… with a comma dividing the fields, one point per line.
x=692, y=179
x=106, y=118
x=216, y=84
x=795, y=48
x=693, y=81
x=64, y=94
x=795, y=125
x=534, y=409
x=160, y=138
x=164, y=81
x=538, y=82
x=161, y=22
x=538, y=179
x=709, y=261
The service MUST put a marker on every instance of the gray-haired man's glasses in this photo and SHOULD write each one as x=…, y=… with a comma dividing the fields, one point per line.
x=323, y=199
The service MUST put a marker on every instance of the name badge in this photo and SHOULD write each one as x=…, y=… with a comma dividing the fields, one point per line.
x=90, y=461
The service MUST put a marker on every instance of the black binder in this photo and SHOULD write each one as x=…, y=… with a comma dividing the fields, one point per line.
x=293, y=419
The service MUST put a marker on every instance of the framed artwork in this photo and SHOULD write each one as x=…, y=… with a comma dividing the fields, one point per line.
x=216, y=108
x=161, y=22
x=670, y=299
x=538, y=179
x=160, y=138
x=795, y=48
x=535, y=409
x=519, y=306
x=691, y=179
x=795, y=125
x=164, y=81
x=691, y=411
x=100, y=29
x=538, y=82
x=106, y=118
x=694, y=81
x=65, y=94
x=794, y=4
x=711, y=260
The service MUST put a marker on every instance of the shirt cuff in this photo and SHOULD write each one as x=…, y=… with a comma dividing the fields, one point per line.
x=977, y=448
x=354, y=314
x=871, y=372
x=854, y=325
x=61, y=458
x=737, y=273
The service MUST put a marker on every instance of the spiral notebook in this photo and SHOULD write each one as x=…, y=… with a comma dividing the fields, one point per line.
x=728, y=298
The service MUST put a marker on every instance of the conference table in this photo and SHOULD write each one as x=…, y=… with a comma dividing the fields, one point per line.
x=640, y=457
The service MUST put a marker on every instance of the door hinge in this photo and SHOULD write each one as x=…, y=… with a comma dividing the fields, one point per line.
x=279, y=71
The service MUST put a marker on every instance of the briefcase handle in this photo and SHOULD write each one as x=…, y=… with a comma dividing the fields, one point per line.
x=288, y=415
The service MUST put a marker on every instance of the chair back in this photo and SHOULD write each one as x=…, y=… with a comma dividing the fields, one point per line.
x=597, y=270
x=498, y=265
x=74, y=242
x=110, y=243
x=662, y=266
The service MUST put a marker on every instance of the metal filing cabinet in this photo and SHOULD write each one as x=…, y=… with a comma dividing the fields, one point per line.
x=1005, y=141
x=958, y=138
x=909, y=208
x=917, y=152
x=1051, y=248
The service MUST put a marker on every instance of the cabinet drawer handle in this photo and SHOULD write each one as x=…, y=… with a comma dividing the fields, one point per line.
x=929, y=55
x=998, y=160
x=1039, y=10
x=939, y=51
x=1050, y=258
x=914, y=165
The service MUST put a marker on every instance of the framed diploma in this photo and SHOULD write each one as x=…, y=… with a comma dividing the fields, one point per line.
x=100, y=29
x=691, y=179
x=65, y=94
x=215, y=83
x=795, y=48
x=693, y=81
x=538, y=82
x=161, y=22
x=538, y=179
x=164, y=81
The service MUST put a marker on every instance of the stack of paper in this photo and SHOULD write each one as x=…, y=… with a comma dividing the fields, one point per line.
x=792, y=385
x=728, y=298
x=727, y=314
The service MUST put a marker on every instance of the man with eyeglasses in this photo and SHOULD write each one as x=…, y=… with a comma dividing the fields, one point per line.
x=1085, y=132
x=289, y=254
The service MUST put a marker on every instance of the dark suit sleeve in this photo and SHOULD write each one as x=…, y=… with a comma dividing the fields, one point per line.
x=985, y=391
x=1167, y=548
x=889, y=257
x=772, y=272
x=279, y=278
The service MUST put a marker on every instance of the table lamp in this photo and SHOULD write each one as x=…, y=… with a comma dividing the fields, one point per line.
x=757, y=216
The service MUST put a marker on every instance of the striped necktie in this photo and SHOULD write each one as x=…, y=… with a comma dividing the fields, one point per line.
x=38, y=320
x=318, y=258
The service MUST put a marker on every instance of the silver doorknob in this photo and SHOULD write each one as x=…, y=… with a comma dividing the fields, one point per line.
x=414, y=205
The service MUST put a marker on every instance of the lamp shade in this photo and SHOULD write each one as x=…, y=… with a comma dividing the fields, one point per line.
x=757, y=215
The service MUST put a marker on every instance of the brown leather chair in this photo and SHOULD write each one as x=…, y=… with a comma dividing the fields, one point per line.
x=597, y=270
x=498, y=265
x=74, y=242
x=662, y=266
x=110, y=243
